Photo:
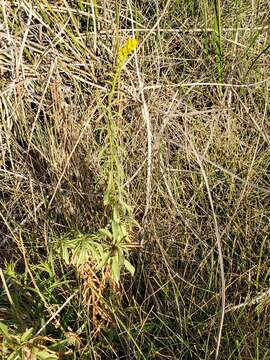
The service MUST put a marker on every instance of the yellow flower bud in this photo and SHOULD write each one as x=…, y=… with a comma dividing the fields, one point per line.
x=128, y=48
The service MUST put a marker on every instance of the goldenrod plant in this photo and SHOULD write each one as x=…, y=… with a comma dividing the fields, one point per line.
x=109, y=246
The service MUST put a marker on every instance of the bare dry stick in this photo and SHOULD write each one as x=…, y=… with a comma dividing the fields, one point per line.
x=56, y=312
x=218, y=243
x=254, y=301
x=6, y=287
x=180, y=84
x=145, y=111
x=187, y=31
x=147, y=120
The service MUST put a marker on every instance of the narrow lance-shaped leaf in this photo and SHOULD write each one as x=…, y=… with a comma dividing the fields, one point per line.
x=130, y=268
x=27, y=335
x=116, y=267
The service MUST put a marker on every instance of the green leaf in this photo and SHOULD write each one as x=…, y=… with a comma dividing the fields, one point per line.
x=124, y=230
x=267, y=275
x=44, y=355
x=65, y=254
x=107, y=194
x=116, y=267
x=100, y=249
x=79, y=257
x=118, y=232
x=26, y=335
x=95, y=254
x=115, y=230
x=106, y=233
x=104, y=260
x=10, y=270
x=130, y=268
x=116, y=215
x=4, y=330
x=45, y=266
x=14, y=356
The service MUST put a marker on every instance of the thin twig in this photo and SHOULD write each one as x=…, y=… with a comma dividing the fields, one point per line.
x=218, y=244
x=57, y=312
x=185, y=31
x=6, y=287
x=193, y=84
x=254, y=301
x=145, y=111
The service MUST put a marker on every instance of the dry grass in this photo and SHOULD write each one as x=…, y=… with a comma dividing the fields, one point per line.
x=192, y=111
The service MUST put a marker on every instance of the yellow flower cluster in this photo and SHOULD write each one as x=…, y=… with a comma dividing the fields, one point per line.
x=126, y=50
